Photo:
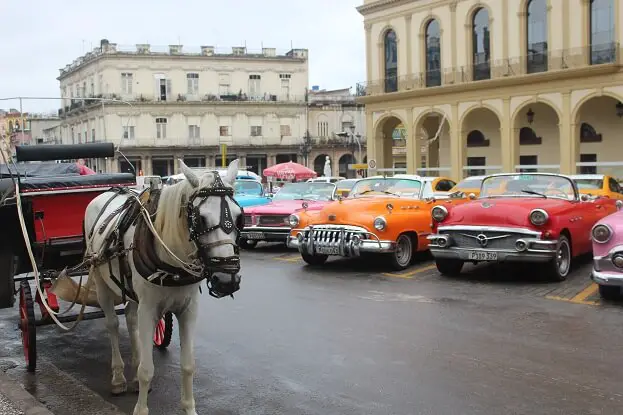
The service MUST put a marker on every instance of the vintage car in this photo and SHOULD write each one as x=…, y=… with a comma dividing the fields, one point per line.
x=270, y=222
x=607, y=236
x=598, y=185
x=522, y=217
x=250, y=193
x=469, y=185
x=345, y=186
x=385, y=215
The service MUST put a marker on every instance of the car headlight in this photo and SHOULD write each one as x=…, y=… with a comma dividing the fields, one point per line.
x=538, y=217
x=293, y=220
x=380, y=223
x=439, y=213
x=619, y=204
x=601, y=233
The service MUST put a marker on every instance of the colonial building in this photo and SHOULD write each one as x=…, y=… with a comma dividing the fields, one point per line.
x=164, y=105
x=337, y=130
x=494, y=85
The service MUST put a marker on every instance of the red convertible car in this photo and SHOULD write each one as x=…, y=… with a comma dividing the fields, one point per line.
x=521, y=217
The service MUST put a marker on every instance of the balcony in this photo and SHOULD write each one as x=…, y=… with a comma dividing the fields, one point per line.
x=552, y=61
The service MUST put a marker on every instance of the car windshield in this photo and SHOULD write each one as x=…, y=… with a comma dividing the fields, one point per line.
x=589, y=184
x=346, y=184
x=247, y=188
x=306, y=191
x=387, y=186
x=528, y=185
x=469, y=184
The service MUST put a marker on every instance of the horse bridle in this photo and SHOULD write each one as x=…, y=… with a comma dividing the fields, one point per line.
x=197, y=228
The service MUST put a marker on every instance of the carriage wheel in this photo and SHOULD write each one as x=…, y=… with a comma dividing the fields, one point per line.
x=164, y=331
x=27, y=325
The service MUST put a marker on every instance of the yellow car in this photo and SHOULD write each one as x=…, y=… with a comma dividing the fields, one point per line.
x=469, y=185
x=598, y=185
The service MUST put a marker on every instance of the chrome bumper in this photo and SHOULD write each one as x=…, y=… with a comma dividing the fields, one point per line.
x=607, y=278
x=528, y=248
x=605, y=272
x=321, y=239
x=269, y=233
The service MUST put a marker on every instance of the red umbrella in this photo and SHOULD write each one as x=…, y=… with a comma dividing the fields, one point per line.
x=289, y=171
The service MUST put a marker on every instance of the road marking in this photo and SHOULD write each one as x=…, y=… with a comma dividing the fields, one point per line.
x=409, y=275
x=288, y=259
x=579, y=298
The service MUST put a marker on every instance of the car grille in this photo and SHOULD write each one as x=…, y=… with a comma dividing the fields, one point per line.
x=248, y=220
x=273, y=220
x=330, y=234
x=467, y=239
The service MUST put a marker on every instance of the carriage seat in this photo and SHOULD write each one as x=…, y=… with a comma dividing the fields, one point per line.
x=65, y=182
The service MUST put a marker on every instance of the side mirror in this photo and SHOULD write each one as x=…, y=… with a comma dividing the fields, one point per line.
x=471, y=196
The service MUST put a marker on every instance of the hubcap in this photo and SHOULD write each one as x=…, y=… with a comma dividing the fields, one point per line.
x=563, y=258
x=403, y=250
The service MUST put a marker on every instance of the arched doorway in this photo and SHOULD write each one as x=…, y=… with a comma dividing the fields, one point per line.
x=481, y=132
x=599, y=121
x=319, y=163
x=432, y=134
x=386, y=138
x=343, y=163
x=538, y=135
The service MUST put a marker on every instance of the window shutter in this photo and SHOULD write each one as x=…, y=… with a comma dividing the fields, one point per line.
x=168, y=88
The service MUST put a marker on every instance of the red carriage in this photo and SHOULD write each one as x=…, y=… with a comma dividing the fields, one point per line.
x=42, y=208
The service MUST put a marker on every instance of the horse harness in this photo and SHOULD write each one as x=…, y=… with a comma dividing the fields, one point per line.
x=144, y=256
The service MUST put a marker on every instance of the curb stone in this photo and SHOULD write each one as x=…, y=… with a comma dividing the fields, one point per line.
x=23, y=402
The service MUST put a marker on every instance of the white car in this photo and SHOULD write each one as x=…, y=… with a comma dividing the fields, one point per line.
x=325, y=179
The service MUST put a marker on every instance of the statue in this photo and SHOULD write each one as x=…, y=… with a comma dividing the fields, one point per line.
x=327, y=167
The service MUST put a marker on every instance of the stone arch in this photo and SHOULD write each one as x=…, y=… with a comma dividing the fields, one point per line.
x=319, y=164
x=383, y=119
x=343, y=162
x=597, y=94
x=537, y=139
x=538, y=100
x=425, y=21
x=382, y=141
x=483, y=150
x=383, y=32
x=473, y=108
x=469, y=17
x=438, y=151
x=432, y=111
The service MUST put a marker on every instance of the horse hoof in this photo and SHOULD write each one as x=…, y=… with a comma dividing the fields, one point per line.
x=134, y=387
x=119, y=390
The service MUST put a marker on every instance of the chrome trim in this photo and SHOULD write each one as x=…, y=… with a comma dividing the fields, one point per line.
x=607, y=278
x=607, y=240
x=443, y=209
x=345, y=248
x=253, y=229
x=489, y=228
x=541, y=211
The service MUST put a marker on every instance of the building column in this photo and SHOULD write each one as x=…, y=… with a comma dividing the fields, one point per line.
x=413, y=146
x=209, y=161
x=509, y=145
x=568, y=139
x=143, y=166
x=457, y=146
x=372, y=138
x=243, y=160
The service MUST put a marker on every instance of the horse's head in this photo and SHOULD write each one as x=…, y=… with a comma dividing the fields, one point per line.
x=215, y=221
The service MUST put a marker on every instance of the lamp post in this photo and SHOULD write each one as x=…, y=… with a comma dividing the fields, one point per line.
x=306, y=147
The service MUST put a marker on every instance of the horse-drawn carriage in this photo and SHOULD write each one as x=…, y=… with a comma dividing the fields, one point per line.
x=42, y=211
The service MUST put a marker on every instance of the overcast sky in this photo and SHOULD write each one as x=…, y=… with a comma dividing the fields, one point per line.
x=40, y=36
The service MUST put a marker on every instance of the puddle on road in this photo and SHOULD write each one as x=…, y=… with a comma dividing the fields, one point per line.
x=398, y=297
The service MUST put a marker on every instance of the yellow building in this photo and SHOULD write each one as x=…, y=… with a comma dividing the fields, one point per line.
x=495, y=85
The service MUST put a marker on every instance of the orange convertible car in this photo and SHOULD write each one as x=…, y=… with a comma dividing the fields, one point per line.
x=385, y=215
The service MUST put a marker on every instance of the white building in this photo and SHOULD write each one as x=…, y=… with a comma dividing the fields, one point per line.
x=184, y=104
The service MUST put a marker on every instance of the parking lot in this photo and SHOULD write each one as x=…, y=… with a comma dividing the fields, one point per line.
x=352, y=338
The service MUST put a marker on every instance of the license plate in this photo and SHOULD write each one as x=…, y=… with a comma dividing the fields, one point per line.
x=255, y=235
x=483, y=256
x=328, y=250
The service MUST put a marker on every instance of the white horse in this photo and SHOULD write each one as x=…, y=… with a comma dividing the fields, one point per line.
x=198, y=223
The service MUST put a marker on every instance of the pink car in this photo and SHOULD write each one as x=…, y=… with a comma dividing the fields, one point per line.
x=269, y=222
x=607, y=236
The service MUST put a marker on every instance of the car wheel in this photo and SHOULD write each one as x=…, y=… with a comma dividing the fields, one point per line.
x=314, y=259
x=449, y=267
x=247, y=244
x=560, y=266
x=610, y=293
x=400, y=259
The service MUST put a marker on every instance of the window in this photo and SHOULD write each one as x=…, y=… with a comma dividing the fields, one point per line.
x=194, y=131
x=528, y=137
x=391, y=61
x=528, y=161
x=100, y=84
x=84, y=89
x=476, y=138
x=254, y=86
x=614, y=186
x=92, y=86
x=537, y=31
x=192, y=81
x=588, y=158
x=126, y=83
x=163, y=88
x=92, y=135
x=433, y=53
x=73, y=137
x=588, y=134
x=285, y=86
x=256, y=131
x=128, y=132
x=224, y=131
x=346, y=126
x=161, y=128
x=285, y=130
x=481, y=41
x=76, y=91
x=476, y=162
x=323, y=129
x=223, y=84
x=79, y=138
x=602, y=41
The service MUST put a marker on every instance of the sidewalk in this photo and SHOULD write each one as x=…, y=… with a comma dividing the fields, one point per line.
x=14, y=400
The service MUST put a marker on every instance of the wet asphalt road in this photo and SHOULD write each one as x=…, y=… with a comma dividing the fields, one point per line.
x=350, y=338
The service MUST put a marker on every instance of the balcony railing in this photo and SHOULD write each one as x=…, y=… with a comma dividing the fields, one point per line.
x=555, y=60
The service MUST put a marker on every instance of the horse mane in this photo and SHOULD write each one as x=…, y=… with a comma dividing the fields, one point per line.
x=171, y=220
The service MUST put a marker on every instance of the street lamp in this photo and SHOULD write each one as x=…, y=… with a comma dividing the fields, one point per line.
x=306, y=147
x=619, y=108
x=530, y=116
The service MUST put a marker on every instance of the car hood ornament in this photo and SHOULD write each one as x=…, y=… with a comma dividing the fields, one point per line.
x=486, y=205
